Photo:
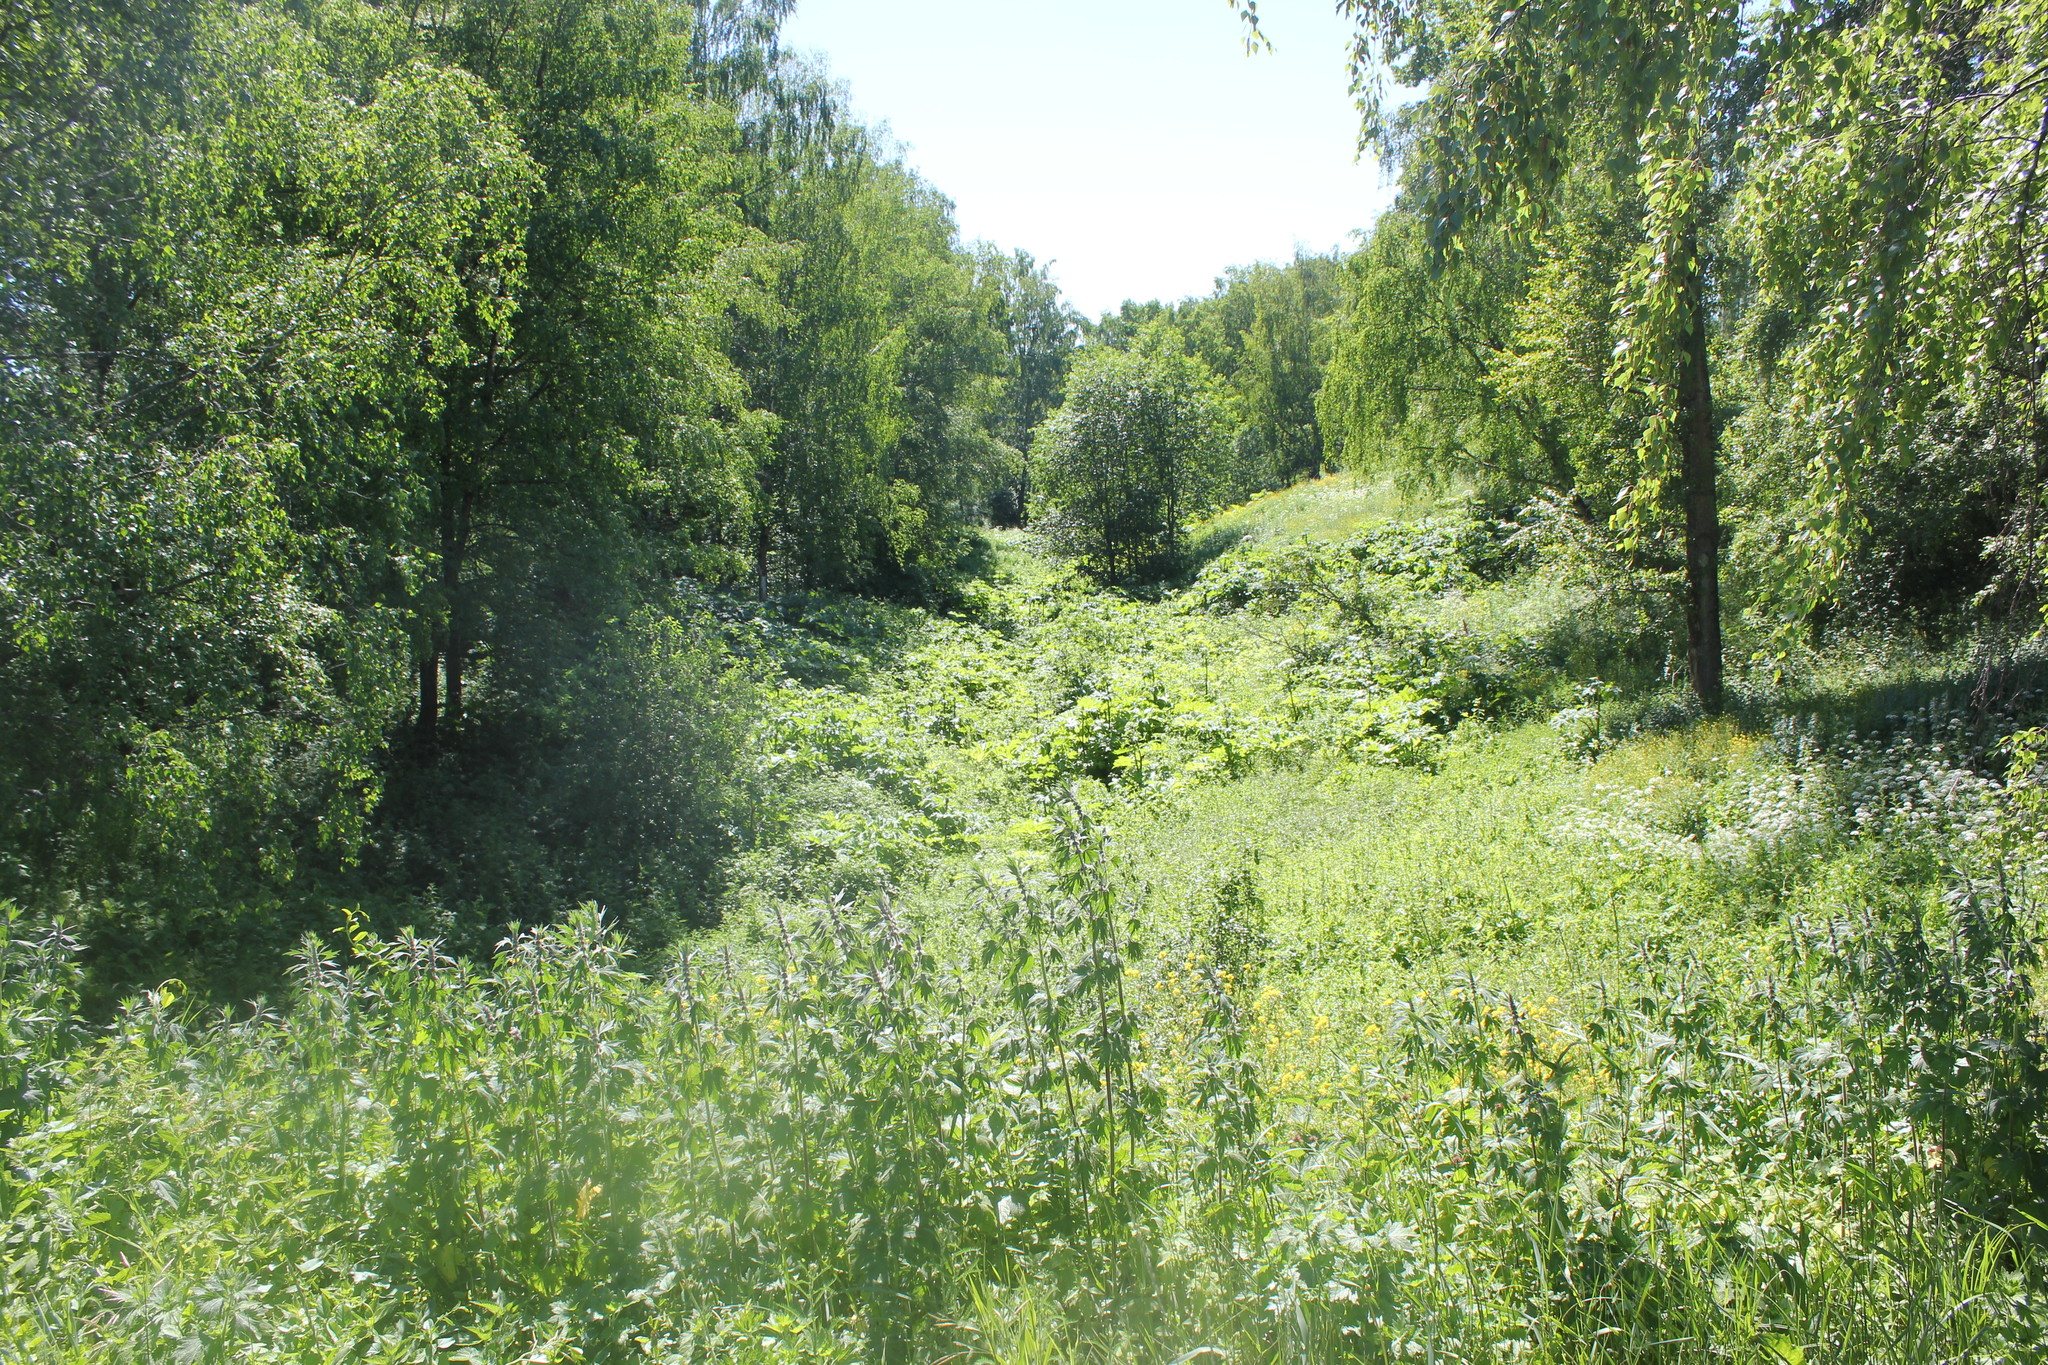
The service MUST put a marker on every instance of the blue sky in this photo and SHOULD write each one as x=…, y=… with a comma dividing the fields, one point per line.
x=1130, y=141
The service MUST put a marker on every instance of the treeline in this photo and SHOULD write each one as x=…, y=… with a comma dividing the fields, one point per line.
x=373, y=378
x=1178, y=409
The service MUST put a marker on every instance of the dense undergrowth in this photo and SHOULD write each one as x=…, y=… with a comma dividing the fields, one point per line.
x=1356, y=954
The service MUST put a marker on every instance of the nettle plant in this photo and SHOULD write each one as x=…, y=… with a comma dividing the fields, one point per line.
x=1694, y=1169
x=823, y=1138
x=554, y=1156
x=39, y=980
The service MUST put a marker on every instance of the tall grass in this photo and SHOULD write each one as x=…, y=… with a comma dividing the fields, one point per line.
x=1604, y=1037
x=837, y=1143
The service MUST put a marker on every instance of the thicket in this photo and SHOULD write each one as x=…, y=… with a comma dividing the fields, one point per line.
x=1070, y=1121
x=371, y=384
x=1725, y=1046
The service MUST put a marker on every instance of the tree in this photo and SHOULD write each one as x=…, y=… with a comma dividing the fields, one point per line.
x=1137, y=450
x=373, y=382
x=1897, y=218
x=1417, y=372
x=238, y=255
x=868, y=361
x=1039, y=333
x=1518, y=98
x=347, y=357
x=611, y=408
x=1490, y=365
x=1262, y=333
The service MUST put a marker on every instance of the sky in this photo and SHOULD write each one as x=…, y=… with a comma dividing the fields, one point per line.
x=1131, y=142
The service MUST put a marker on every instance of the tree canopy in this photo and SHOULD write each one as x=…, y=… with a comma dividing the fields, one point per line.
x=372, y=383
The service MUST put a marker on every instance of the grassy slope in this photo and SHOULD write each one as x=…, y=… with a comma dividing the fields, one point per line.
x=1378, y=881
x=1354, y=1155
x=1358, y=862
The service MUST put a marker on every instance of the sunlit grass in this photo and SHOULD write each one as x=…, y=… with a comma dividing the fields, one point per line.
x=1696, y=1043
x=1329, y=508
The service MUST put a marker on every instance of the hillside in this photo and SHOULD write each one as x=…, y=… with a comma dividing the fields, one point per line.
x=1360, y=951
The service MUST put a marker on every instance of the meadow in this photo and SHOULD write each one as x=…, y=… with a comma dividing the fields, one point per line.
x=1357, y=951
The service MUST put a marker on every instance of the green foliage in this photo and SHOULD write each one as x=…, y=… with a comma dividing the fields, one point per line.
x=440, y=453
x=629, y=1120
x=371, y=385
x=1539, y=1041
x=1262, y=333
x=1137, y=738
x=1134, y=455
x=848, y=1141
x=1890, y=254
x=38, y=1016
x=852, y=806
x=240, y=256
x=1627, y=230
x=1636, y=102
x=879, y=357
x=1414, y=378
x=1429, y=556
x=1384, y=650
x=1491, y=368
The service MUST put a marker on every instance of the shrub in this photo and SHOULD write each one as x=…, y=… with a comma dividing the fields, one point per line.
x=1139, y=449
x=625, y=788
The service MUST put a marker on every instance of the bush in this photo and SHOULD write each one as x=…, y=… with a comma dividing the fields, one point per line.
x=627, y=788
x=1139, y=450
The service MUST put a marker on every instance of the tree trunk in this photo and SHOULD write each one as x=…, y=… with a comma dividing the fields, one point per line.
x=439, y=623
x=1700, y=446
x=451, y=706
x=455, y=648
x=430, y=696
